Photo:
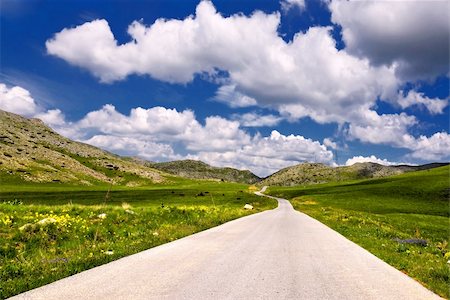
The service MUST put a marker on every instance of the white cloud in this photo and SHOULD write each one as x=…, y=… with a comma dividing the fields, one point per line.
x=413, y=36
x=372, y=159
x=287, y=5
x=391, y=129
x=167, y=122
x=432, y=148
x=294, y=85
x=52, y=117
x=170, y=50
x=266, y=155
x=218, y=134
x=132, y=146
x=305, y=77
x=148, y=133
x=263, y=156
x=227, y=94
x=329, y=143
x=17, y=100
x=263, y=70
x=434, y=106
x=91, y=45
x=159, y=124
x=255, y=120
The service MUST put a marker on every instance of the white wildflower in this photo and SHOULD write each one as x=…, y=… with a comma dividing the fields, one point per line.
x=102, y=216
x=46, y=221
x=248, y=206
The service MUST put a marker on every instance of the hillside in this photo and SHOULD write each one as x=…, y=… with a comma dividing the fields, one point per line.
x=313, y=173
x=32, y=152
x=199, y=170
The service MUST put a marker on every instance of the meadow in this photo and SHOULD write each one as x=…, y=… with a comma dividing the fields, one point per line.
x=50, y=231
x=404, y=219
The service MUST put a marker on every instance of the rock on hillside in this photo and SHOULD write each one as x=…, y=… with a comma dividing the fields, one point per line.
x=305, y=173
x=199, y=170
x=31, y=151
x=313, y=173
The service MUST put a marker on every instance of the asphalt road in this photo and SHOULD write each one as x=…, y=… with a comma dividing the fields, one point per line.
x=277, y=254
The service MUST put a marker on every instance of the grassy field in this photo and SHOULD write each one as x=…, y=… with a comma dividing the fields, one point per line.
x=377, y=213
x=50, y=231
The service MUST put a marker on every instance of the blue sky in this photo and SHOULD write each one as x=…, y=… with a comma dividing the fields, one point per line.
x=258, y=85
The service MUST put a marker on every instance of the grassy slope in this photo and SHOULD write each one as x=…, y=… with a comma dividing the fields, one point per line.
x=314, y=173
x=31, y=151
x=76, y=238
x=200, y=170
x=374, y=212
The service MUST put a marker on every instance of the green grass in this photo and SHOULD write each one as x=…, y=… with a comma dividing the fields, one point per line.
x=50, y=231
x=373, y=213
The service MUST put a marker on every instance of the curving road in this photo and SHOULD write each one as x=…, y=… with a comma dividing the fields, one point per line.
x=277, y=254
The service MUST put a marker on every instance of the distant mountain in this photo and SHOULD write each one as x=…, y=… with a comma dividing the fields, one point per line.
x=313, y=173
x=199, y=170
x=31, y=151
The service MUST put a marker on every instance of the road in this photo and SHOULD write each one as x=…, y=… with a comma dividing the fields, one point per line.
x=277, y=254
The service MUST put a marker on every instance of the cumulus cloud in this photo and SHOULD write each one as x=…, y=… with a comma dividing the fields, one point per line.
x=264, y=69
x=391, y=129
x=372, y=159
x=160, y=134
x=304, y=77
x=433, y=105
x=253, y=119
x=287, y=5
x=266, y=155
x=329, y=143
x=17, y=100
x=166, y=122
x=132, y=146
x=170, y=50
x=412, y=36
x=267, y=71
x=228, y=95
x=218, y=134
x=52, y=117
x=432, y=148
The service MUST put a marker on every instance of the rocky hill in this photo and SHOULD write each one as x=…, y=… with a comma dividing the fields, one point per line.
x=313, y=173
x=31, y=151
x=199, y=170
